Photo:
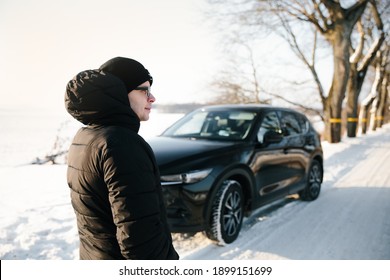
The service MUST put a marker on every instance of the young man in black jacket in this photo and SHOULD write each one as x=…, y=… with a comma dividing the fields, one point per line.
x=112, y=172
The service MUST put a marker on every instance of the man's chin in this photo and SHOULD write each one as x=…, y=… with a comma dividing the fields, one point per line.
x=145, y=118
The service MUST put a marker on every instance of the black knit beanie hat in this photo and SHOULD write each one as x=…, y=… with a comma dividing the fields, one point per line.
x=131, y=72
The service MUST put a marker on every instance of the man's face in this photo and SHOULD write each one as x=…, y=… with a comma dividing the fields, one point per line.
x=140, y=102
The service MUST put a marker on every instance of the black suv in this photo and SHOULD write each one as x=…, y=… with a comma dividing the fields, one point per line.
x=219, y=163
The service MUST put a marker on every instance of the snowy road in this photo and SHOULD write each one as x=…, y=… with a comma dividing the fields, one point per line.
x=350, y=219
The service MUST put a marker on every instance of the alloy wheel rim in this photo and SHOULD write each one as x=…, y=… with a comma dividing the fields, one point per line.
x=315, y=180
x=232, y=214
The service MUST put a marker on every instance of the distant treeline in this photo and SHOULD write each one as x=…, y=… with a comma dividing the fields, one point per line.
x=177, y=108
x=188, y=107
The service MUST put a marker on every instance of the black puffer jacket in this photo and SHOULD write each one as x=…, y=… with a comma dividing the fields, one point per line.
x=113, y=175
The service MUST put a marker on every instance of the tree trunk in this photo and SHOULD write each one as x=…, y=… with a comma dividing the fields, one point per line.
x=380, y=114
x=363, y=118
x=373, y=111
x=370, y=100
x=340, y=43
x=352, y=101
x=381, y=84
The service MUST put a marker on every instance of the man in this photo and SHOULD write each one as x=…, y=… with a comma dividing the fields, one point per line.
x=112, y=172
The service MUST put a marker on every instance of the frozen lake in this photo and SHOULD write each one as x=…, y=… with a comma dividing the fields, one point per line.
x=27, y=134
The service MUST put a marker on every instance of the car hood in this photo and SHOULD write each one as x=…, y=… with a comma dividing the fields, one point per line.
x=169, y=149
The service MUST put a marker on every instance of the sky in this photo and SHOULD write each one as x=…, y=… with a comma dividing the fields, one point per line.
x=45, y=43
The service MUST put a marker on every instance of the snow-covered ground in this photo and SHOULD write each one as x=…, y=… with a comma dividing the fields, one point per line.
x=350, y=219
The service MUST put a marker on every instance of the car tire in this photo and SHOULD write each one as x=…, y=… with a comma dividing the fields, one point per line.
x=226, y=213
x=314, y=180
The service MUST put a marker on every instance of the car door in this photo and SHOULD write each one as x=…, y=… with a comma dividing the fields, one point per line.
x=270, y=161
x=294, y=149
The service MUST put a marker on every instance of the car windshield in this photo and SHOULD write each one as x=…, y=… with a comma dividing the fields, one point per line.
x=214, y=125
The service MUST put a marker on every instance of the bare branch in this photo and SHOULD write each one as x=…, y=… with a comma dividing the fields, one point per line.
x=292, y=41
x=356, y=56
x=376, y=15
x=375, y=46
x=353, y=13
x=304, y=108
x=371, y=53
x=324, y=19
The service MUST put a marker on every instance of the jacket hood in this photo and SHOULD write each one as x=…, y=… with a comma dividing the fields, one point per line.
x=94, y=97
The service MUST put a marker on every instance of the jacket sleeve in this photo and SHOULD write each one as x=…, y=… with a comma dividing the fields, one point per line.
x=130, y=175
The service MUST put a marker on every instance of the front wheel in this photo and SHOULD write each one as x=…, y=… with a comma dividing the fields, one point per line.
x=313, y=187
x=226, y=213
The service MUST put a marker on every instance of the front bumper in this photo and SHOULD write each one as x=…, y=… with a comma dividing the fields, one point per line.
x=185, y=209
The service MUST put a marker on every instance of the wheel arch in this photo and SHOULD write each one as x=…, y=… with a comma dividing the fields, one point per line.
x=244, y=176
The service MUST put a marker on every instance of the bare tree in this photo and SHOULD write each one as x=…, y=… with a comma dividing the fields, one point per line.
x=239, y=82
x=360, y=62
x=383, y=105
x=309, y=60
x=335, y=23
x=369, y=99
x=233, y=85
x=376, y=102
x=378, y=107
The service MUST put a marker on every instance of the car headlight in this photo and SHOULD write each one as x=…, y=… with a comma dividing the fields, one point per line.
x=185, y=178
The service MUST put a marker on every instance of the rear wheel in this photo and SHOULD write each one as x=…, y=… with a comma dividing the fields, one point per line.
x=313, y=187
x=226, y=213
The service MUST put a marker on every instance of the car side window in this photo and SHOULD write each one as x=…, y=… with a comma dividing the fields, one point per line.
x=290, y=124
x=304, y=123
x=270, y=122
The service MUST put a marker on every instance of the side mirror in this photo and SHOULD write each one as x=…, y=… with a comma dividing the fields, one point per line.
x=271, y=137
